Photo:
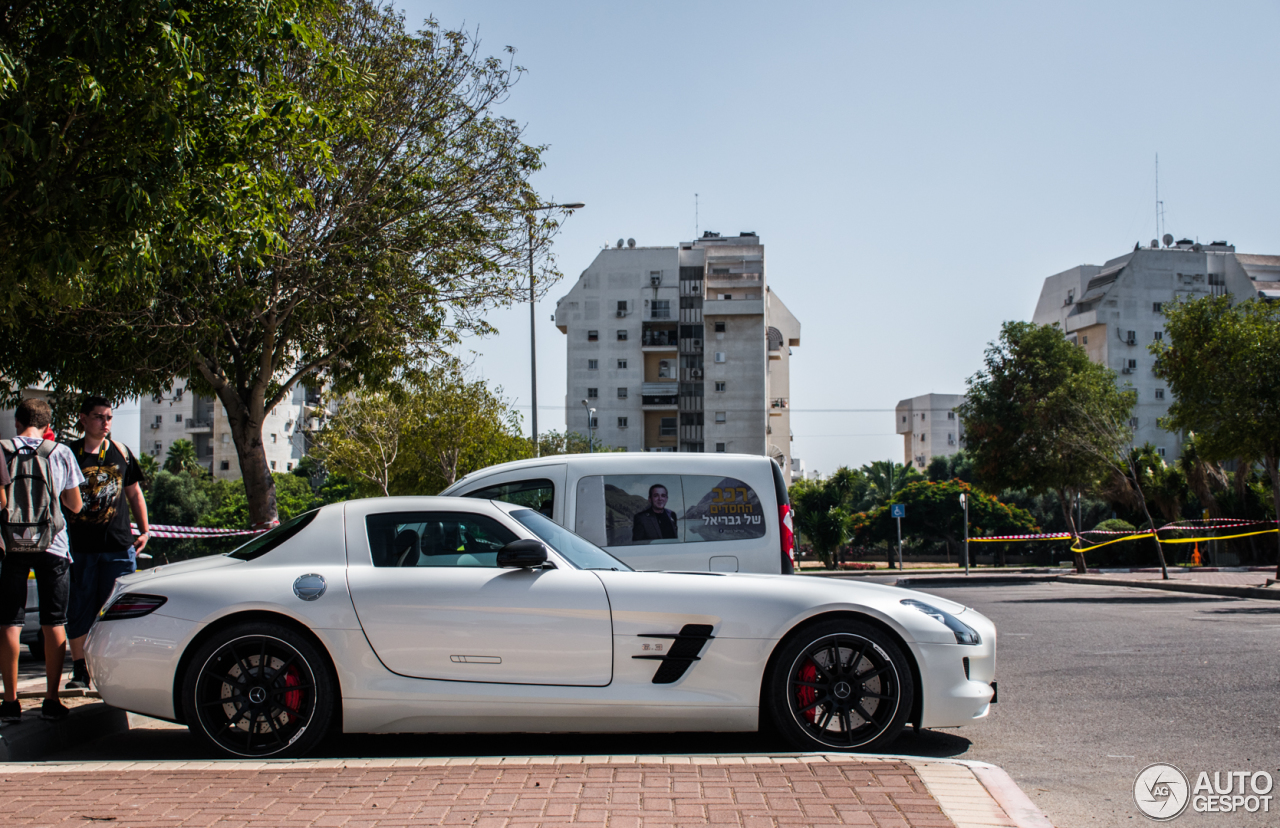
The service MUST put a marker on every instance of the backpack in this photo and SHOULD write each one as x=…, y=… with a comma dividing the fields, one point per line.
x=33, y=516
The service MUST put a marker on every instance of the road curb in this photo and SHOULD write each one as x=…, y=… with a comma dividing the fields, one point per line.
x=1005, y=791
x=1179, y=586
x=34, y=738
x=974, y=580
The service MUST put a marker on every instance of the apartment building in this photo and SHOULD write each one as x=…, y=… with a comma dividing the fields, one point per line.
x=184, y=415
x=1114, y=311
x=681, y=348
x=930, y=427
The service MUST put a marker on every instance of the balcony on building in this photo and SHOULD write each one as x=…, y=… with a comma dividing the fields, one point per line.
x=201, y=419
x=660, y=431
x=777, y=405
x=658, y=336
x=655, y=396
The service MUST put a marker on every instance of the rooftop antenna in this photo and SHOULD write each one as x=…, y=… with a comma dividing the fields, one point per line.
x=1159, y=203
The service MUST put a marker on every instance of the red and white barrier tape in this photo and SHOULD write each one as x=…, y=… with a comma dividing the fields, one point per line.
x=160, y=530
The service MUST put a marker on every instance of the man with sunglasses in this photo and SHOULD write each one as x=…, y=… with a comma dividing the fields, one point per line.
x=102, y=544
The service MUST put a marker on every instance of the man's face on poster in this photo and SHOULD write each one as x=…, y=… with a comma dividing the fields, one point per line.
x=658, y=498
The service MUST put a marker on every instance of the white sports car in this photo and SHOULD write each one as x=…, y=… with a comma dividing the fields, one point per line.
x=431, y=614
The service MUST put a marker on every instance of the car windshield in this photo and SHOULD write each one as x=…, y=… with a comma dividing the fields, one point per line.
x=267, y=541
x=581, y=553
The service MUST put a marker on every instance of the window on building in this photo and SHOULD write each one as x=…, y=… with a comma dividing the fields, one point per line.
x=1159, y=393
x=160, y=418
x=1157, y=307
x=1132, y=337
x=622, y=306
x=720, y=386
x=922, y=413
x=667, y=427
x=273, y=438
x=593, y=364
x=273, y=465
x=1133, y=363
x=155, y=451
x=177, y=418
x=719, y=356
x=593, y=336
x=720, y=416
x=622, y=422
x=664, y=369
x=1133, y=422
x=592, y=393
x=1071, y=297
x=1158, y=336
x=622, y=336
x=661, y=309
x=1086, y=340
x=622, y=365
x=288, y=467
x=719, y=271
x=922, y=437
x=951, y=415
x=1217, y=279
x=720, y=447
x=622, y=393
x=726, y=296
x=225, y=465
x=1160, y=450
x=177, y=395
x=719, y=327
x=595, y=422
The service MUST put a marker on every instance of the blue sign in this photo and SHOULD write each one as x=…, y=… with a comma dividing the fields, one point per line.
x=898, y=510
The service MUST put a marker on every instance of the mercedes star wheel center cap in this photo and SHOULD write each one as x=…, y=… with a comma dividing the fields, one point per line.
x=257, y=695
x=842, y=690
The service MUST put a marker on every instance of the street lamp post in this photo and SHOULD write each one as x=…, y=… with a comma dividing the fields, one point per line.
x=591, y=417
x=964, y=501
x=533, y=315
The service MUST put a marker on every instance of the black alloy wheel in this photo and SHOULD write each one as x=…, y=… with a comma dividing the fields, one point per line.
x=842, y=685
x=259, y=690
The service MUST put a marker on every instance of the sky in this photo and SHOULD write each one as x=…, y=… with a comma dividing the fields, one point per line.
x=914, y=170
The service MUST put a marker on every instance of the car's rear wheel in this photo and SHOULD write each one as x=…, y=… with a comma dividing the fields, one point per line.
x=842, y=685
x=259, y=690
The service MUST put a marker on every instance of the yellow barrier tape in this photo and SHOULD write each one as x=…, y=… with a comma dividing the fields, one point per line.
x=1075, y=548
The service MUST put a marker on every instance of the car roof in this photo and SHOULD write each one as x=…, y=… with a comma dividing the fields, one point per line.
x=618, y=462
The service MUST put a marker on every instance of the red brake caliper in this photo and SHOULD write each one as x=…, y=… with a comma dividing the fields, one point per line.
x=808, y=695
x=293, y=699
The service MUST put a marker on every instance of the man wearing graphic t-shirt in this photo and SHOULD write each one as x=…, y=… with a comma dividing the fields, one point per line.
x=102, y=545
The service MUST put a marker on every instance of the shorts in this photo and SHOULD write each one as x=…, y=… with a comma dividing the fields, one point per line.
x=53, y=583
x=93, y=576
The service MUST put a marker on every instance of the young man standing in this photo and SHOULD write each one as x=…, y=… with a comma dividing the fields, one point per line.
x=52, y=568
x=102, y=544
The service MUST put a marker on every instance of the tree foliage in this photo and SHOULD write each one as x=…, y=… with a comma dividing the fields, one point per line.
x=181, y=459
x=935, y=515
x=1222, y=363
x=1022, y=416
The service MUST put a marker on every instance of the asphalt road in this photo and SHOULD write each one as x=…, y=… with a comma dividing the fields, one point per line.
x=1095, y=684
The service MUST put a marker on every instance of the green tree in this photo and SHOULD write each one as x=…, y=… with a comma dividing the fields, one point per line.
x=958, y=466
x=398, y=205
x=934, y=514
x=819, y=515
x=231, y=510
x=363, y=437
x=569, y=442
x=181, y=458
x=885, y=479
x=1022, y=416
x=118, y=122
x=456, y=426
x=149, y=468
x=1220, y=361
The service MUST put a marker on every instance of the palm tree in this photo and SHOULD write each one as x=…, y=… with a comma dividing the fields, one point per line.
x=885, y=479
x=181, y=457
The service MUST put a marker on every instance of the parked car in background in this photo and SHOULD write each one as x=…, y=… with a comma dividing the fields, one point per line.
x=462, y=615
x=657, y=511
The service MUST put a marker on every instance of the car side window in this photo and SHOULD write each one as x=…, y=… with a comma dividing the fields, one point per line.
x=538, y=495
x=660, y=509
x=412, y=539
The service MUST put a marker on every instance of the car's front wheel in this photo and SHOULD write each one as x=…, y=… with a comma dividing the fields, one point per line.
x=259, y=690
x=840, y=684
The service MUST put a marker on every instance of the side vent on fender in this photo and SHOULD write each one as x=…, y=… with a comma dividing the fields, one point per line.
x=684, y=651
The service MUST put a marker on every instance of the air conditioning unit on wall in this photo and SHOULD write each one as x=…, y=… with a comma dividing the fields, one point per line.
x=695, y=373
x=655, y=281
x=621, y=314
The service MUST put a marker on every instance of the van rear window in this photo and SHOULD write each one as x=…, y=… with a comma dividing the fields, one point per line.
x=538, y=495
x=647, y=509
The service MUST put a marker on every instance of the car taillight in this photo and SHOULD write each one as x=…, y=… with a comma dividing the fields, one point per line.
x=131, y=605
x=788, y=534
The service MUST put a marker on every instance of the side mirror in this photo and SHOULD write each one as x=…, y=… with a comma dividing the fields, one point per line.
x=524, y=554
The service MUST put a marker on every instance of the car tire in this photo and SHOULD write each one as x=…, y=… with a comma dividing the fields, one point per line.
x=259, y=690
x=840, y=685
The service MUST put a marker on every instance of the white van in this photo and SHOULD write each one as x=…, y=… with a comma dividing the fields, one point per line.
x=657, y=511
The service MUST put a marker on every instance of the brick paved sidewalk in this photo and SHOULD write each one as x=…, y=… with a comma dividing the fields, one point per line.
x=617, y=792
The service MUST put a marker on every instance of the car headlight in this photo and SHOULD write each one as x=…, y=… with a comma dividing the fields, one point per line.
x=963, y=632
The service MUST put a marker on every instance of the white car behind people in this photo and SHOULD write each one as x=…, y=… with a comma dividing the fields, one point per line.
x=459, y=615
